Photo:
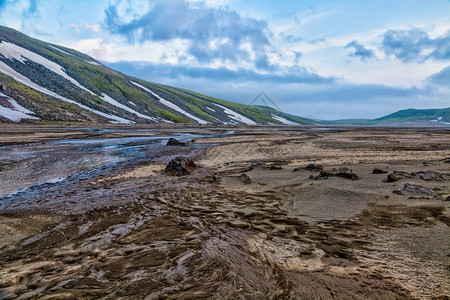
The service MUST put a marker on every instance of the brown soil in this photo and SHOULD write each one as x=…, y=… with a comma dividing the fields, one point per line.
x=140, y=234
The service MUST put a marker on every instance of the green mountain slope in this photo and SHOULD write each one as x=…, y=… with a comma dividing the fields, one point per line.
x=407, y=116
x=416, y=115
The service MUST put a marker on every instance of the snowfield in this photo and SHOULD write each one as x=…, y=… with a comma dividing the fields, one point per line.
x=235, y=116
x=116, y=103
x=283, y=120
x=60, y=50
x=19, y=112
x=170, y=104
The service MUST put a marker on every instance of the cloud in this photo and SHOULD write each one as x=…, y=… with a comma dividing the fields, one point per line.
x=152, y=71
x=32, y=9
x=28, y=8
x=94, y=27
x=416, y=45
x=76, y=27
x=442, y=78
x=214, y=33
x=360, y=51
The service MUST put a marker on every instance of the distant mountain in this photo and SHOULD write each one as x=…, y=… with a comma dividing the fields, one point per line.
x=42, y=83
x=417, y=115
x=436, y=117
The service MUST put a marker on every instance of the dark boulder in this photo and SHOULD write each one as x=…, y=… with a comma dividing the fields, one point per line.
x=274, y=167
x=433, y=176
x=314, y=167
x=180, y=166
x=175, y=142
x=244, y=178
x=310, y=167
x=417, y=189
x=346, y=173
x=379, y=171
x=447, y=160
x=397, y=175
x=325, y=173
x=343, y=172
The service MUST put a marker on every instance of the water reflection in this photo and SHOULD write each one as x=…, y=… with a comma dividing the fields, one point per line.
x=25, y=166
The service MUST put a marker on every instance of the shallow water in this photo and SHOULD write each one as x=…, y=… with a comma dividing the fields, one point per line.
x=31, y=165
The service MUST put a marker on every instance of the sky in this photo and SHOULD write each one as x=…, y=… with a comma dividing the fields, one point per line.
x=320, y=59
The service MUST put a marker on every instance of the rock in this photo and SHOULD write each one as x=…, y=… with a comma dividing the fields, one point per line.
x=420, y=197
x=398, y=192
x=447, y=199
x=417, y=189
x=175, y=142
x=346, y=173
x=245, y=179
x=255, y=165
x=261, y=165
x=397, y=175
x=325, y=174
x=180, y=166
x=433, y=176
x=379, y=171
x=343, y=172
x=313, y=167
x=447, y=160
x=275, y=168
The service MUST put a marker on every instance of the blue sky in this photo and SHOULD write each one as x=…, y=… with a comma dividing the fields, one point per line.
x=317, y=59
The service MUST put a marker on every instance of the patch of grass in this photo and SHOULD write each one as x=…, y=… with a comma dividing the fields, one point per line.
x=169, y=116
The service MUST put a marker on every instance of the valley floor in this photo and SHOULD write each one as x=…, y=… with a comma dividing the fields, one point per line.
x=130, y=231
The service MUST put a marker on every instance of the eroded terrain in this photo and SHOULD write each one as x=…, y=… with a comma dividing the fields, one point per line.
x=283, y=232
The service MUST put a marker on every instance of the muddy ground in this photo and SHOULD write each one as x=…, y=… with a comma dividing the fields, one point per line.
x=133, y=232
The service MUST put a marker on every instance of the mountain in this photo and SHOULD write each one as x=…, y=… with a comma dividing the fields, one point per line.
x=421, y=117
x=42, y=83
x=417, y=116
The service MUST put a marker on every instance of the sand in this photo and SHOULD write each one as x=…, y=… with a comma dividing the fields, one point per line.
x=137, y=233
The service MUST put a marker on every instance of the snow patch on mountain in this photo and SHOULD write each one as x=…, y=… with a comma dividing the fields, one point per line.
x=12, y=51
x=235, y=116
x=14, y=115
x=17, y=113
x=60, y=50
x=283, y=120
x=170, y=104
x=116, y=103
x=93, y=63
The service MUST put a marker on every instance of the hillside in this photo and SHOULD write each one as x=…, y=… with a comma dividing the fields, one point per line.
x=409, y=116
x=417, y=115
x=44, y=83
